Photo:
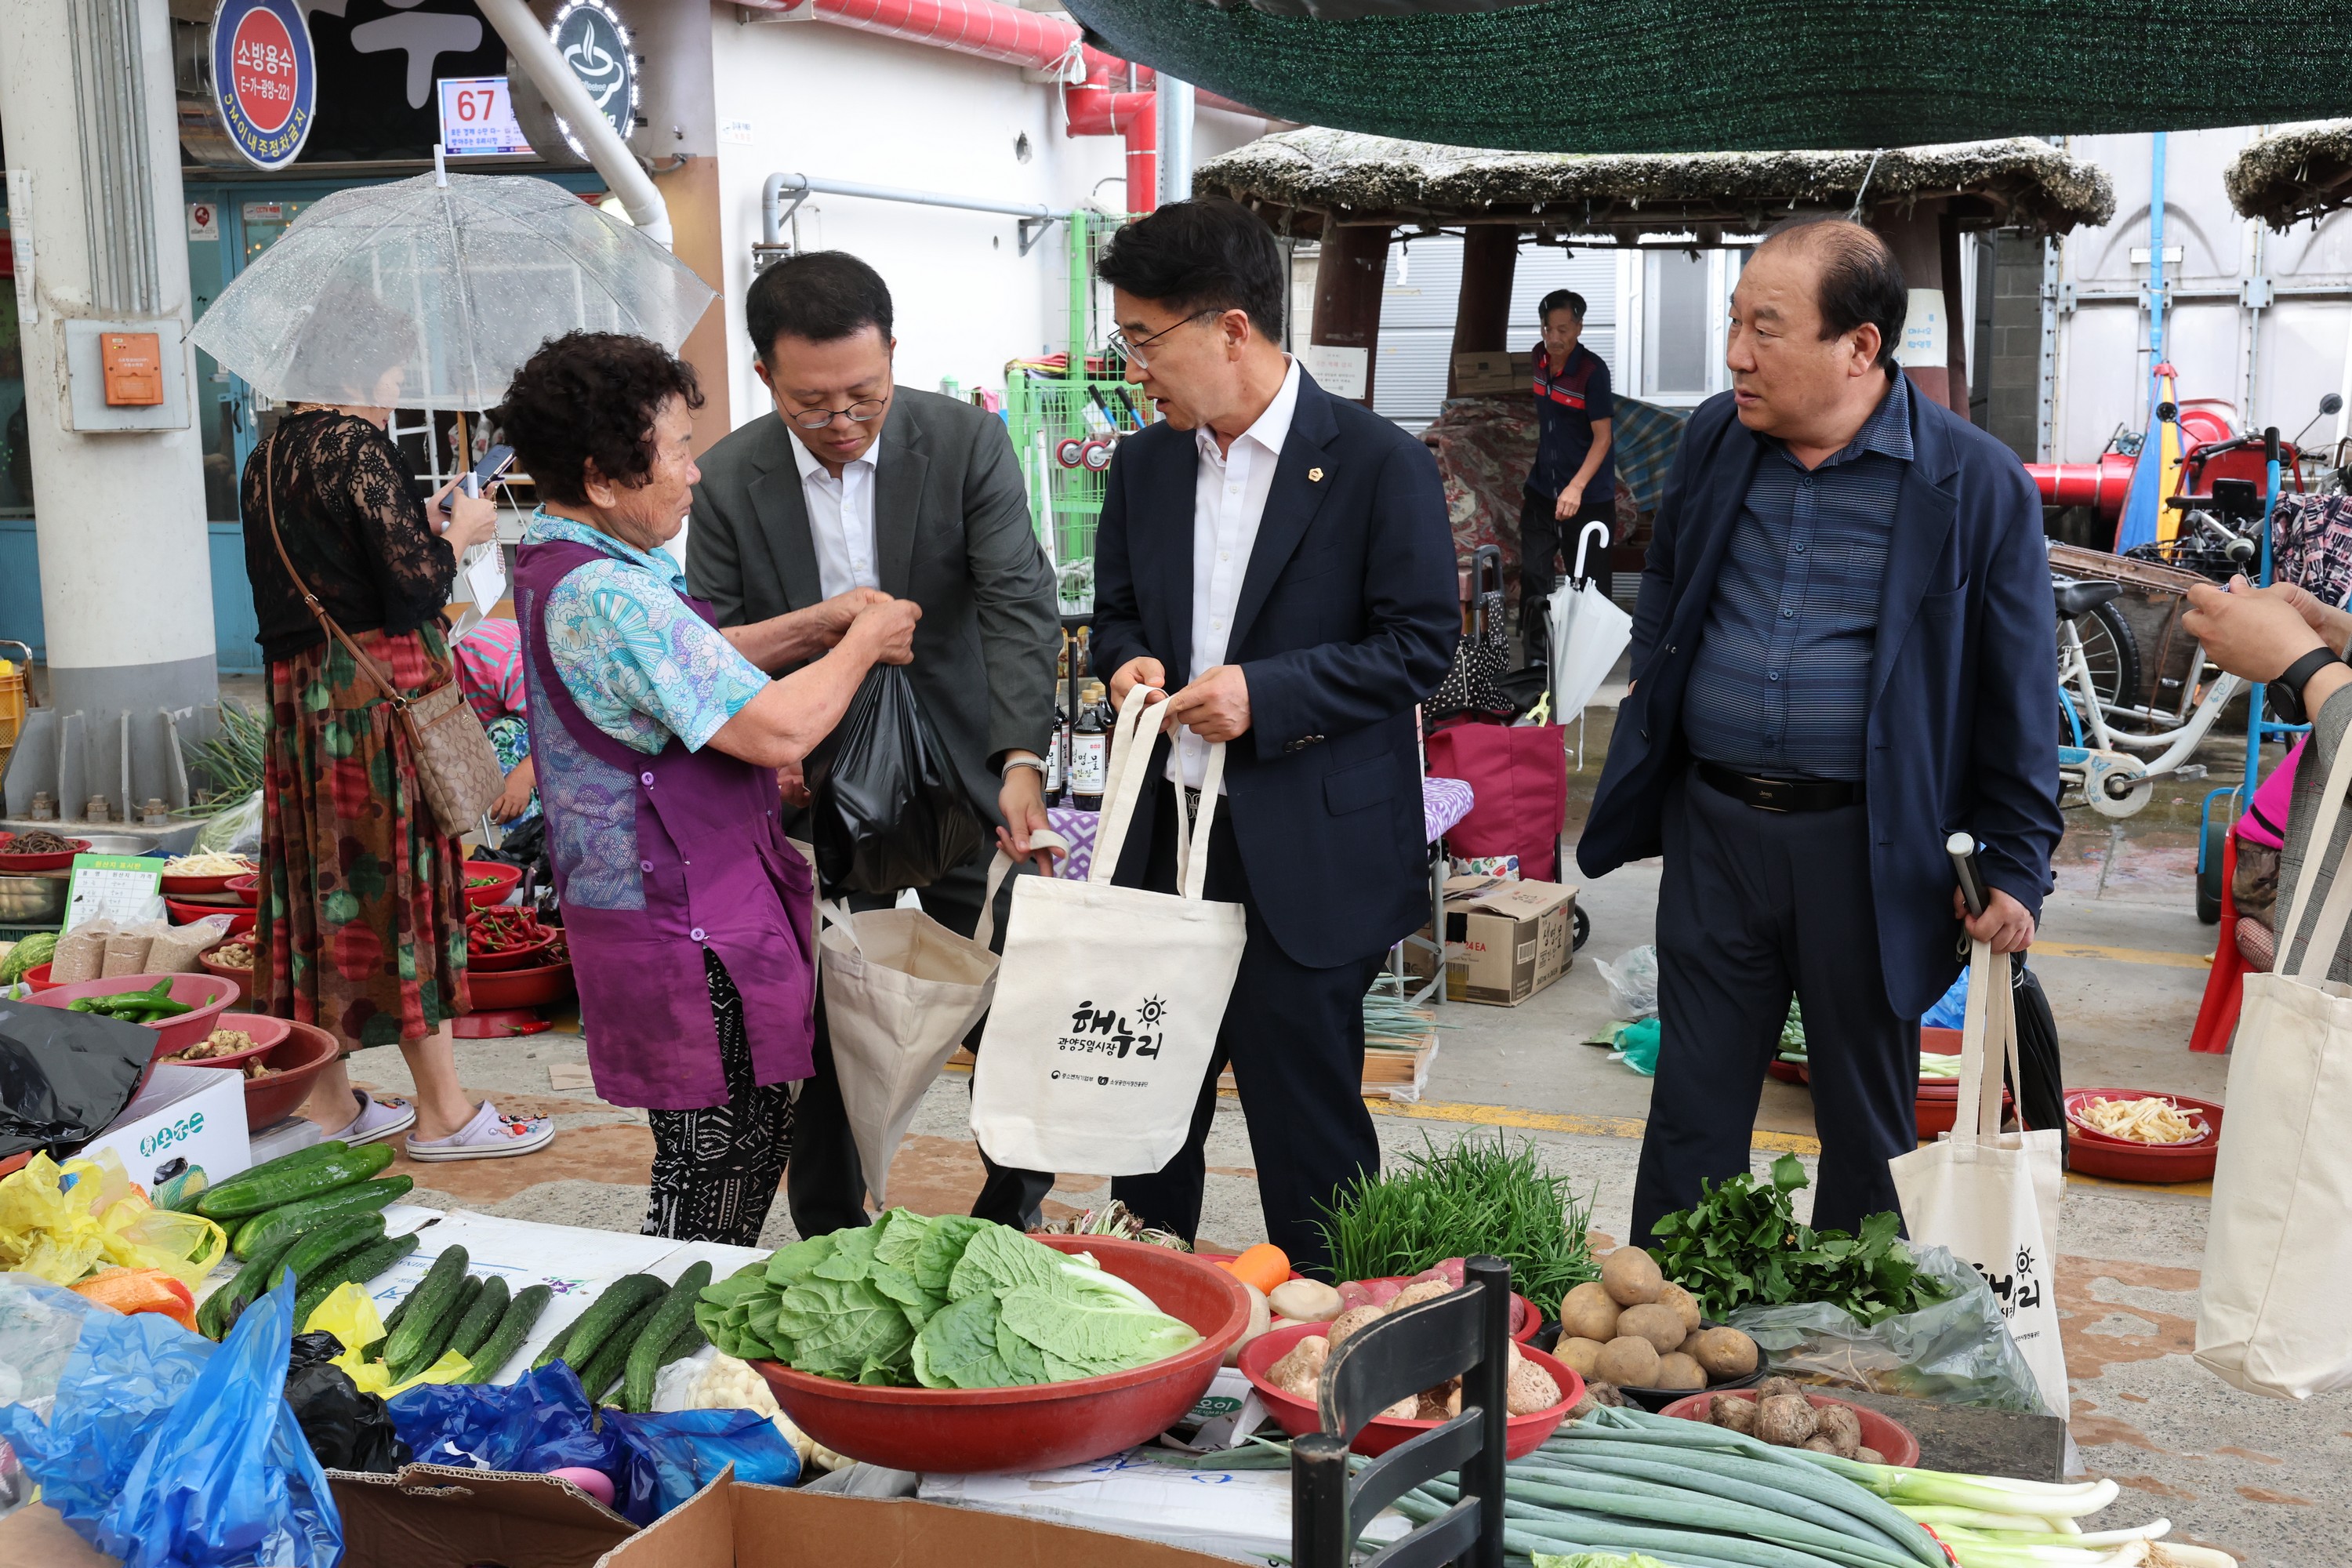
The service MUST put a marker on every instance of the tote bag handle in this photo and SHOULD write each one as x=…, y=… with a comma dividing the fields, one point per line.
x=2336, y=914
x=1991, y=1011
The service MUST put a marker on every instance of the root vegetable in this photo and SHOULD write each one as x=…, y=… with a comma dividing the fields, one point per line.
x=1631, y=1277
x=1590, y=1312
x=1419, y=1290
x=1627, y=1361
x=1773, y=1385
x=1531, y=1389
x=1684, y=1304
x=1786, y=1419
x=1580, y=1354
x=1732, y=1413
x=1353, y=1294
x=1306, y=1302
x=1654, y=1323
x=1349, y=1321
x=1869, y=1456
x=1679, y=1371
x=1841, y=1426
x=1298, y=1371
x=1405, y=1409
x=1820, y=1445
x=1726, y=1353
x=1260, y=1319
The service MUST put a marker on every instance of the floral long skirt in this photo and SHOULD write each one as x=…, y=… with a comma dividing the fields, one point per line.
x=362, y=927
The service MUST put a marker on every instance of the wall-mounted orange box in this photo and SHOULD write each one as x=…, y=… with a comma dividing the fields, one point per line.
x=134, y=362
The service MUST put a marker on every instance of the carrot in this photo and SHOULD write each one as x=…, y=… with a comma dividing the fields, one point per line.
x=1264, y=1266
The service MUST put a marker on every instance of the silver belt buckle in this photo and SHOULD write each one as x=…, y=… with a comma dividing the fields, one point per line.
x=1763, y=794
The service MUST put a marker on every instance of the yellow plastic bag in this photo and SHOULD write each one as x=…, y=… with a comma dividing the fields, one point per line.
x=64, y=1223
x=349, y=1313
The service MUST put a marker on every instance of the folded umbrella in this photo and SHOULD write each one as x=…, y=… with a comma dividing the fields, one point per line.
x=1588, y=632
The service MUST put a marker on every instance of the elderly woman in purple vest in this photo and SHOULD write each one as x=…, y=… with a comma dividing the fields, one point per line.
x=657, y=737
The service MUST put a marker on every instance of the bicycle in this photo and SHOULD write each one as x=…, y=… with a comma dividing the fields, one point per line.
x=2091, y=757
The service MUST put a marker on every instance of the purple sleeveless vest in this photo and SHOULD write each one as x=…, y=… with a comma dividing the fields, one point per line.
x=712, y=868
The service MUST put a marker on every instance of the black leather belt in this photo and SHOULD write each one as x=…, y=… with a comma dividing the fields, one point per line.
x=1780, y=795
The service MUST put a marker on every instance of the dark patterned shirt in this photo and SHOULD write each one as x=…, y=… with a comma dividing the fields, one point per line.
x=1781, y=683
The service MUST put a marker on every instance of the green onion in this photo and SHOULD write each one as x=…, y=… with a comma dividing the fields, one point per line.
x=1721, y=1475
x=1481, y=1195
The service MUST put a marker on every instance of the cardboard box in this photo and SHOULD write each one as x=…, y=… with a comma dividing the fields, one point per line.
x=1504, y=940
x=440, y=1516
x=185, y=1115
x=1492, y=372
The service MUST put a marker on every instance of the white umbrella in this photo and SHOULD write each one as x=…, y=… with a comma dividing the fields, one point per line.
x=431, y=292
x=1588, y=632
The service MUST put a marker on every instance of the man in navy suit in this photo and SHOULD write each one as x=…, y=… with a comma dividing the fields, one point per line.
x=1280, y=560
x=1842, y=654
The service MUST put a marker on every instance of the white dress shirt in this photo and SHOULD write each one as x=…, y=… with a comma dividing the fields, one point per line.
x=840, y=517
x=1228, y=503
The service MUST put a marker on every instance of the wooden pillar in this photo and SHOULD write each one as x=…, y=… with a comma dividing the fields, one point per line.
x=1349, y=278
x=1482, y=315
x=1916, y=239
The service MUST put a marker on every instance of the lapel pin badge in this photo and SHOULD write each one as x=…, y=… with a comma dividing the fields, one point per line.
x=1314, y=476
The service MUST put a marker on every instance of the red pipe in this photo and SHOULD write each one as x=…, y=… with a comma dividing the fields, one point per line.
x=1099, y=111
x=2101, y=485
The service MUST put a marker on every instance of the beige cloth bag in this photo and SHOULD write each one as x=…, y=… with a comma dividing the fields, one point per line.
x=2278, y=1264
x=1992, y=1197
x=900, y=991
x=1108, y=999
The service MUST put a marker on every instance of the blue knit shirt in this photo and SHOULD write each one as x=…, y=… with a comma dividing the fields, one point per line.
x=1781, y=683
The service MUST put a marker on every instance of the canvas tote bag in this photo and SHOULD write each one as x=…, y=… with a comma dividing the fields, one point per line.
x=2278, y=1270
x=900, y=991
x=1108, y=999
x=1991, y=1196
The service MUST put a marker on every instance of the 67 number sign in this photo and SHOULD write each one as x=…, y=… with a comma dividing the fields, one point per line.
x=478, y=119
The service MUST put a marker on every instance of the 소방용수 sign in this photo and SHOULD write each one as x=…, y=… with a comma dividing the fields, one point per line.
x=264, y=79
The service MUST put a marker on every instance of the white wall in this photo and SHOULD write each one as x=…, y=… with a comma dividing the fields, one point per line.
x=2269, y=370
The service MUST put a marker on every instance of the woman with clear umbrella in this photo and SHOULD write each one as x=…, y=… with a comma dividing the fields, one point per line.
x=362, y=923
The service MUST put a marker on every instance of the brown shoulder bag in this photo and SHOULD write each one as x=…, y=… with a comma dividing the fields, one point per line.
x=455, y=764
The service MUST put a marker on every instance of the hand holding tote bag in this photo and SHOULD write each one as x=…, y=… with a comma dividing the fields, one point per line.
x=1108, y=998
x=2270, y=1309
x=1991, y=1196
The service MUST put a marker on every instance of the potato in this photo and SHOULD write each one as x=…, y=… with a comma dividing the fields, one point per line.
x=1631, y=1276
x=1589, y=1312
x=1786, y=1419
x=1726, y=1353
x=1259, y=1321
x=1304, y=1301
x=1415, y=1295
x=1732, y=1413
x=1627, y=1361
x=1841, y=1426
x=1580, y=1354
x=1654, y=1323
x=1678, y=1370
x=1349, y=1321
x=1684, y=1304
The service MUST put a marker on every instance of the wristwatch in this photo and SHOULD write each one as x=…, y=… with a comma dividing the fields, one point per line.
x=2285, y=693
x=1012, y=763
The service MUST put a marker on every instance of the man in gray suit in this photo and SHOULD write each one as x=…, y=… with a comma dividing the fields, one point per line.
x=859, y=486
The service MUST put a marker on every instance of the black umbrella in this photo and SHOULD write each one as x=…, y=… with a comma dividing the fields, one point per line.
x=2042, y=1098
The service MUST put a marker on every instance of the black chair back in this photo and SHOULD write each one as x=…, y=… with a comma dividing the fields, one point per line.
x=1466, y=1333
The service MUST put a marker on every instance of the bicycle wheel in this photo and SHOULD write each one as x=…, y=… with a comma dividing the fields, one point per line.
x=2113, y=654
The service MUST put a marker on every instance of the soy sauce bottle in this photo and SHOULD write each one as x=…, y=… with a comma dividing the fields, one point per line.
x=1089, y=749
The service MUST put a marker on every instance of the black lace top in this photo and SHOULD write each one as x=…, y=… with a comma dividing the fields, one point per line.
x=352, y=521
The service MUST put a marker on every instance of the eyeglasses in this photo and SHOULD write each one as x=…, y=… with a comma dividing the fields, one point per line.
x=1129, y=349
x=864, y=413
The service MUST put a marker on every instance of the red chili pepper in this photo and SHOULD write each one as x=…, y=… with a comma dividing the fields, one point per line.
x=504, y=930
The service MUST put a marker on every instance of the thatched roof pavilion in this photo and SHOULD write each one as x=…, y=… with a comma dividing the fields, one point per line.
x=2295, y=171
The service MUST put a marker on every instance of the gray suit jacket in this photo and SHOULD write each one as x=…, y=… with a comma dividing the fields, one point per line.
x=952, y=532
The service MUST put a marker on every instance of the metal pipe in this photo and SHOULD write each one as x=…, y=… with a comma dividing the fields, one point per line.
x=534, y=51
x=778, y=186
x=1099, y=111
x=1175, y=117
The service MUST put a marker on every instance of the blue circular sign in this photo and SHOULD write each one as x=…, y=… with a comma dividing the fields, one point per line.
x=264, y=79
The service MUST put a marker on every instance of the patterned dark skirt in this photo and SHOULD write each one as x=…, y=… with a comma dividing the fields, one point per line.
x=362, y=927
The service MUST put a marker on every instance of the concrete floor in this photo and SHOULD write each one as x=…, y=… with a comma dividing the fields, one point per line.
x=2123, y=958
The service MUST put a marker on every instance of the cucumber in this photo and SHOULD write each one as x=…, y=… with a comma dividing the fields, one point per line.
x=278, y=1184
x=444, y=1329
x=399, y=1310
x=482, y=1318
x=651, y=1350
x=514, y=1327
x=552, y=1352
x=292, y=1219
x=622, y=1300
x=313, y=1251
x=612, y=1358
x=299, y=1160
x=433, y=1296
x=355, y=1269
x=221, y=1308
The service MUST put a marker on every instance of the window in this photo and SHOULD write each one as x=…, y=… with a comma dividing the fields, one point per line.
x=1680, y=321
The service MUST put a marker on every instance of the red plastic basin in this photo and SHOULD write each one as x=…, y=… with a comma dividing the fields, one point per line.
x=15, y=865
x=540, y=987
x=1523, y=1435
x=240, y=920
x=208, y=996
x=299, y=1058
x=38, y=978
x=2118, y=1158
x=967, y=1431
x=266, y=1034
x=484, y=898
x=247, y=887
x=1891, y=1439
x=240, y=978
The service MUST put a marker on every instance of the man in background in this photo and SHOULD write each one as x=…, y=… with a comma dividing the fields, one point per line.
x=1574, y=481
x=859, y=485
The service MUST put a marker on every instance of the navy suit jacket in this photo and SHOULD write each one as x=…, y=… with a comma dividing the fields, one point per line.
x=1347, y=616
x=1963, y=727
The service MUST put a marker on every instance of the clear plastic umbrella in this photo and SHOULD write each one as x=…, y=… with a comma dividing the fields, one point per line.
x=422, y=294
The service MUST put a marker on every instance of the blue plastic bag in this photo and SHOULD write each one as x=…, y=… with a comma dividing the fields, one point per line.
x=538, y=1423
x=168, y=1451
x=1950, y=1011
x=674, y=1455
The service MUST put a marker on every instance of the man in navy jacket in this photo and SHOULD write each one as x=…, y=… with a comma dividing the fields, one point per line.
x=1842, y=654
x=1280, y=560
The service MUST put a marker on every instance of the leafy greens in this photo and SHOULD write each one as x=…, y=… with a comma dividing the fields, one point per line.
x=1740, y=1245
x=950, y=1302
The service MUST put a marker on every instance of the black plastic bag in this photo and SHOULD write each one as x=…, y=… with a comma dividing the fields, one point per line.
x=64, y=1076
x=890, y=810
x=348, y=1430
